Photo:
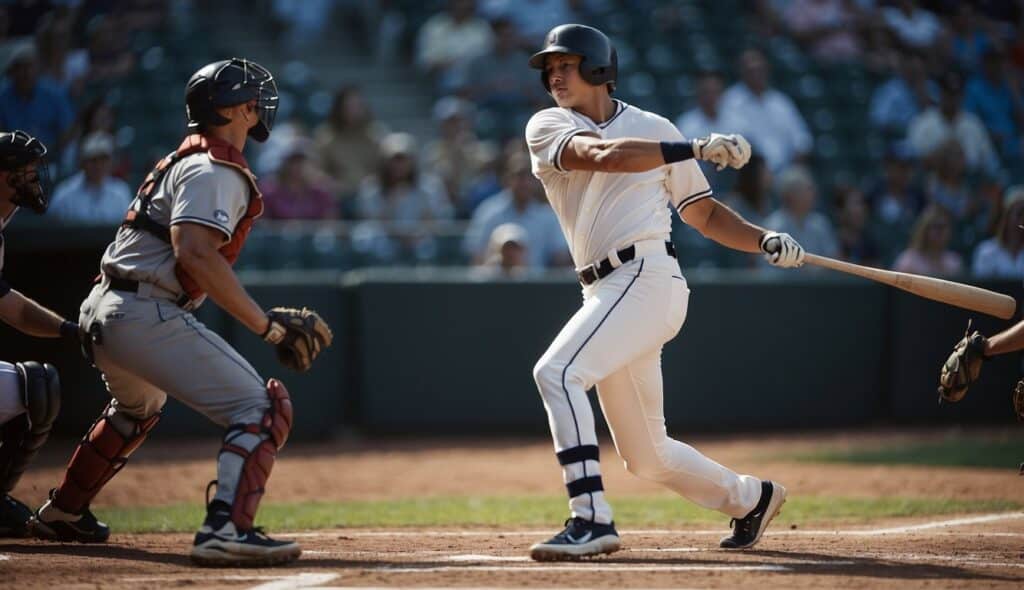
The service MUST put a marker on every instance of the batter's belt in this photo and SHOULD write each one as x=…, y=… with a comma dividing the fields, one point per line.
x=592, y=273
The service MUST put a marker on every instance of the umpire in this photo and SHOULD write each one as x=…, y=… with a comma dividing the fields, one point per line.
x=176, y=246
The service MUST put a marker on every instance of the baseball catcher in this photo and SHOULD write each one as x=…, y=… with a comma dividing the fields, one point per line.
x=176, y=246
x=29, y=391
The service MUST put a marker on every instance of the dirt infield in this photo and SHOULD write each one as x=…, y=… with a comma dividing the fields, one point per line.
x=985, y=551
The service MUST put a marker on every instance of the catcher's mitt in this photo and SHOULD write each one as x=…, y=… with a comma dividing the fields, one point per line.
x=962, y=367
x=299, y=335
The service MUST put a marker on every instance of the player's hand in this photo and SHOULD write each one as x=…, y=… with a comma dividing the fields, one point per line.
x=731, y=150
x=782, y=250
x=299, y=335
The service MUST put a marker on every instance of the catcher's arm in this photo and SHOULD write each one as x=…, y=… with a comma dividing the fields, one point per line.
x=196, y=248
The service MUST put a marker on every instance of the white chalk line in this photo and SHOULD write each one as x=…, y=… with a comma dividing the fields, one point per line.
x=4, y=557
x=301, y=580
x=982, y=519
x=584, y=567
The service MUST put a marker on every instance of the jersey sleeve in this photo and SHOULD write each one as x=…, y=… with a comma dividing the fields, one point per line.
x=685, y=181
x=547, y=134
x=210, y=195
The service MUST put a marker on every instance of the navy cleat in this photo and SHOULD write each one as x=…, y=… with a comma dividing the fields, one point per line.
x=14, y=517
x=580, y=538
x=219, y=544
x=747, y=531
x=53, y=524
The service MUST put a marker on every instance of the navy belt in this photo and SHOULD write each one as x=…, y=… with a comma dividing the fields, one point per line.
x=600, y=270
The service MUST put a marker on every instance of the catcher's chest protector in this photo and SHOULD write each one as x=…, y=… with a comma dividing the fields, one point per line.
x=222, y=153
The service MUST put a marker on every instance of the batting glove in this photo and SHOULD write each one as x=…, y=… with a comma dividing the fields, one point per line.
x=723, y=150
x=782, y=250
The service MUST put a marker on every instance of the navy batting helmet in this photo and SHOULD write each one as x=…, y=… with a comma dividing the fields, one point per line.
x=599, y=64
x=17, y=151
x=227, y=83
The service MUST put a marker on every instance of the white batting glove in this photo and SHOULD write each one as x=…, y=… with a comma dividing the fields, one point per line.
x=723, y=150
x=782, y=250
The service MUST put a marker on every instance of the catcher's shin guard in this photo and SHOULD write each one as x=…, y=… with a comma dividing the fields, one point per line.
x=22, y=437
x=257, y=463
x=99, y=456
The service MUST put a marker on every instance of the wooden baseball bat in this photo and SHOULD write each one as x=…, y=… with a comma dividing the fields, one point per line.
x=965, y=296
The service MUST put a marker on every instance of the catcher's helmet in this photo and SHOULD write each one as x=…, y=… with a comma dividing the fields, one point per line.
x=227, y=83
x=600, y=64
x=18, y=150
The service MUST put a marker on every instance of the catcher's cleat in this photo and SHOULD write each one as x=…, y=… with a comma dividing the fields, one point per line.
x=14, y=517
x=219, y=544
x=53, y=524
x=747, y=531
x=580, y=538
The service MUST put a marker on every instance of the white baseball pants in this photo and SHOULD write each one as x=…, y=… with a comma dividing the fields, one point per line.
x=614, y=342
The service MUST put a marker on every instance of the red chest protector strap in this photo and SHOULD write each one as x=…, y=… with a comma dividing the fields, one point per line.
x=220, y=152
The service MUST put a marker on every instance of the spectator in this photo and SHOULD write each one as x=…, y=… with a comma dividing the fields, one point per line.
x=498, y=82
x=928, y=253
x=487, y=182
x=826, y=28
x=399, y=191
x=947, y=185
x=520, y=203
x=93, y=196
x=110, y=57
x=1002, y=256
x=707, y=116
x=895, y=200
x=966, y=41
x=532, y=18
x=302, y=22
x=96, y=116
x=452, y=38
x=348, y=142
x=995, y=97
x=767, y=117
x=895, y=103
x=456, y=155
x=297, y=190
x=33, y=105
x=937, y=125
x=856, y=242
x=508, y=252
x=58, y=63
x=913, y=27
x=797, y=216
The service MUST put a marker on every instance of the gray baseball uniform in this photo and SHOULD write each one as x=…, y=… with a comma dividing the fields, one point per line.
x=148, y=346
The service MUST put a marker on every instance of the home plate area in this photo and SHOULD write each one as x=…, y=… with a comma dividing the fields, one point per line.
x=977, y=551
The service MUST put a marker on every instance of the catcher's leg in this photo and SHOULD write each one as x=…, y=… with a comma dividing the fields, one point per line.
x=33, y=390
x=104, y=450
x=227, y=537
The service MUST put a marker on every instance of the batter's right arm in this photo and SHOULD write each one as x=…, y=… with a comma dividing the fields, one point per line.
x=197, y=249
x=591, y=153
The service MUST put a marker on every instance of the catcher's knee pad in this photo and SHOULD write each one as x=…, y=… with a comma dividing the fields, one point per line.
x=23, y=436
x=99, y=456
x=258, y=461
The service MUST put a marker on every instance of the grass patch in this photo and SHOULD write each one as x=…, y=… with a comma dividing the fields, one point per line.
x=952, y=452
x=631, y=512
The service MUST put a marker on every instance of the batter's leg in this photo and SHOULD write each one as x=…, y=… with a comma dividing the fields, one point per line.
x=632, y=401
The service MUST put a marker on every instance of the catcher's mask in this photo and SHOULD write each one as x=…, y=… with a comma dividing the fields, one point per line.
x=22, y=157
x=227, y=83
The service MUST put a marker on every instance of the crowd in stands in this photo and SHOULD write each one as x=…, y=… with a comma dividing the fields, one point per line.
x=943, y=193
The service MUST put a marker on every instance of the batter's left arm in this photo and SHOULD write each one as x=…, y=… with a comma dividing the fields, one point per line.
x=718, y=222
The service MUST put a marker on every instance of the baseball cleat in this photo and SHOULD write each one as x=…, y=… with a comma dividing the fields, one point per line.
x=219, y=544
x=580, y=538
x=14, y=517
x=747, y=531
x=53, y=524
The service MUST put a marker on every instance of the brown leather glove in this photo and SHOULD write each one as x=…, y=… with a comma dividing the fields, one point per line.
x=299, y=335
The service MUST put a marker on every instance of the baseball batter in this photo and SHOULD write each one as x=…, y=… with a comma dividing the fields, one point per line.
x=29, y=391
x=610, y=171
x=179, y=239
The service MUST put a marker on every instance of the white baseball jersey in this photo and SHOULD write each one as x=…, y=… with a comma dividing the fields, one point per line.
x=601, y=211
